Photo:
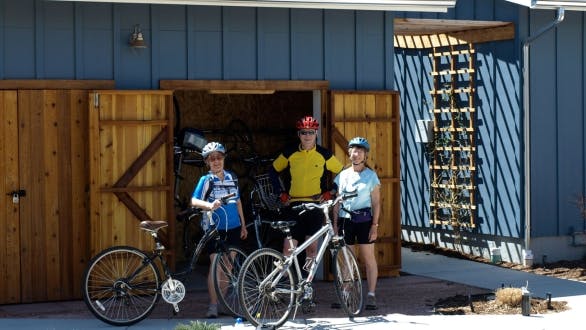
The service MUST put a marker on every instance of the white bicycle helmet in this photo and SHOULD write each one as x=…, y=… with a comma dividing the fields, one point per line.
x=212, y=147
x=359, y=142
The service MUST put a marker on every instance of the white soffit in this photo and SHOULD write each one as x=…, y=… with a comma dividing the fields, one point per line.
x=390, y=5
x=549, y=4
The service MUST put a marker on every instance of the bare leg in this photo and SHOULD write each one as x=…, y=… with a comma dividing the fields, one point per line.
x=211, y=289
x=287, y=246
x=367, y=256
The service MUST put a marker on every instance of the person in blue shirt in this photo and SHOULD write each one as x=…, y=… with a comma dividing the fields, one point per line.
x=357, y=219
x=231, y=225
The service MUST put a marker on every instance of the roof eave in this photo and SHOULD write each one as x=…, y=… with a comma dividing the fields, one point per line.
x=378, y=5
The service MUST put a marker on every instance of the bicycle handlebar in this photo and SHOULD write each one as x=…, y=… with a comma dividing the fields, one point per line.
x=224, y=199
x=191, y=210
x=323, y=205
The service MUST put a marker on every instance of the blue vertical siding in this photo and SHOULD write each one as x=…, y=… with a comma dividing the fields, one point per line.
x=274, y=51
x=239, y=42
x=508, y=126
x=370, y=51
x=94, y=26
x=569, y=59
x=340, y=48
x=307, y=40
x=205, y=50
x=170, y=41
x=544, y=128
x=499, y=135
x=557, y=122
x=57, y=41
x=18, y=51
x=69, y=40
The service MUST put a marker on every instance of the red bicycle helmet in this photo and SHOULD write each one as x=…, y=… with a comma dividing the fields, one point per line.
x=307, y=122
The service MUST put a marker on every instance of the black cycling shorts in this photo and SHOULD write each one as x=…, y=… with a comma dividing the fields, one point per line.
x=355, y=232
x=307, y=223
x=230, y=237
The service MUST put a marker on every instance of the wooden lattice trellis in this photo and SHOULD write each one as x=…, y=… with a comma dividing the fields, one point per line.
x=453, y=154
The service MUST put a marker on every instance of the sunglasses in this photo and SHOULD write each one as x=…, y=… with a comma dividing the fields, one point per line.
x=307, y=132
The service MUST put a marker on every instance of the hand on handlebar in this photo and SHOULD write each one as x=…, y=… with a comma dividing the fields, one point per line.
x=326, y=196
x=219, y=202
x=323, y=204
x=284, y=198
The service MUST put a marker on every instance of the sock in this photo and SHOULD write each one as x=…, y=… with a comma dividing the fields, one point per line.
x=371, y=294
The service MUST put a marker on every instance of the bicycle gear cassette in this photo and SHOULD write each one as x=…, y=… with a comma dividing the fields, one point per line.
x=173, y=291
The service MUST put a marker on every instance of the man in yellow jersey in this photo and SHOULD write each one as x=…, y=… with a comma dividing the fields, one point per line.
x=307, y=164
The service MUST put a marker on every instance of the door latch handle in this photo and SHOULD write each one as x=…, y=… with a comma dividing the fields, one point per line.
x=19, y=193
x=16, y=195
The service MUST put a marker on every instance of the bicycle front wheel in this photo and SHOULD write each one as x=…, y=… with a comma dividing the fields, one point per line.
x=347, y=281
x=225, y=269
x=265, y=300
x=121, y=286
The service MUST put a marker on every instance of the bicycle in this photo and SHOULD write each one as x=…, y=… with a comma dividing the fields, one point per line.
x=122, y=284
x=271, y=286
x=263, y=204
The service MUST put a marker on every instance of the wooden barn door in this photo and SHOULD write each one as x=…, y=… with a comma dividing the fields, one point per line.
x=9, y=211
x=44, y=205
x=374, y=115
x=131, y=167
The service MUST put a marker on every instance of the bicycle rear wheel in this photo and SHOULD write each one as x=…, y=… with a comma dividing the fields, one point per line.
x=265, y=301
x=347, y=281
x=225, y=269
x=121, y=285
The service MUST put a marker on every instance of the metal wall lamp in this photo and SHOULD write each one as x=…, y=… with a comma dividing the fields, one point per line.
x=136, y=38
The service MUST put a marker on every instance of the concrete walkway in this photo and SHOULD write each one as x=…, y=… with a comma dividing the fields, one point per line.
x=416, y=263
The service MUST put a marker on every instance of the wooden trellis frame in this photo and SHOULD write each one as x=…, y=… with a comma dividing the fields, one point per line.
x=453, y=155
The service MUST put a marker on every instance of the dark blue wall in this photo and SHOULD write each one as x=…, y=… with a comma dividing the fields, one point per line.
x=67, y=40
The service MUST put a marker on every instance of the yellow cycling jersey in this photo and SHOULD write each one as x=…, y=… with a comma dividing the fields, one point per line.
x=307, y=169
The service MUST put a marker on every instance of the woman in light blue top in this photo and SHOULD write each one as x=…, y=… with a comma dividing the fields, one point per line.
x=357, y=219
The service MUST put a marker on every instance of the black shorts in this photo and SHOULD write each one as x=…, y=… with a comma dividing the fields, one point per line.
x=308, y=223
x=355, y=232
x=230, y=237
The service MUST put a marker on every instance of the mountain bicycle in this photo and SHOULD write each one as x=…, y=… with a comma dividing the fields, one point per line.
x=271, y=286
x=122, y=284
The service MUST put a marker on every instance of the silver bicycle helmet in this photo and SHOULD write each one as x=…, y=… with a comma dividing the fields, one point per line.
x=212, y=147
x=359, y=142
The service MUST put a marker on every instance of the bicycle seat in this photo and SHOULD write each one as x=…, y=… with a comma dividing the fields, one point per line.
x=283, y=225
x=153, y=226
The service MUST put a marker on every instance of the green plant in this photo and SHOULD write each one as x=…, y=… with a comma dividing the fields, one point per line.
x=197, y=325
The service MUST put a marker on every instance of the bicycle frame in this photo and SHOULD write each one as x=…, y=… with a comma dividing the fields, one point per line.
x=327, y=233
x=208, y=236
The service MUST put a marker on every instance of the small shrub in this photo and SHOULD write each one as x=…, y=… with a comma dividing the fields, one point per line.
x=197, y=325
x=509, y=296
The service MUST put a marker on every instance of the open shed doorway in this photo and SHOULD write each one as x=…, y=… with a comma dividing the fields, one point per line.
x=254, y=120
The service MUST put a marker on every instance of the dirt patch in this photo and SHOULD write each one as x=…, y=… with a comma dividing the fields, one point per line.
x=486, y=303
